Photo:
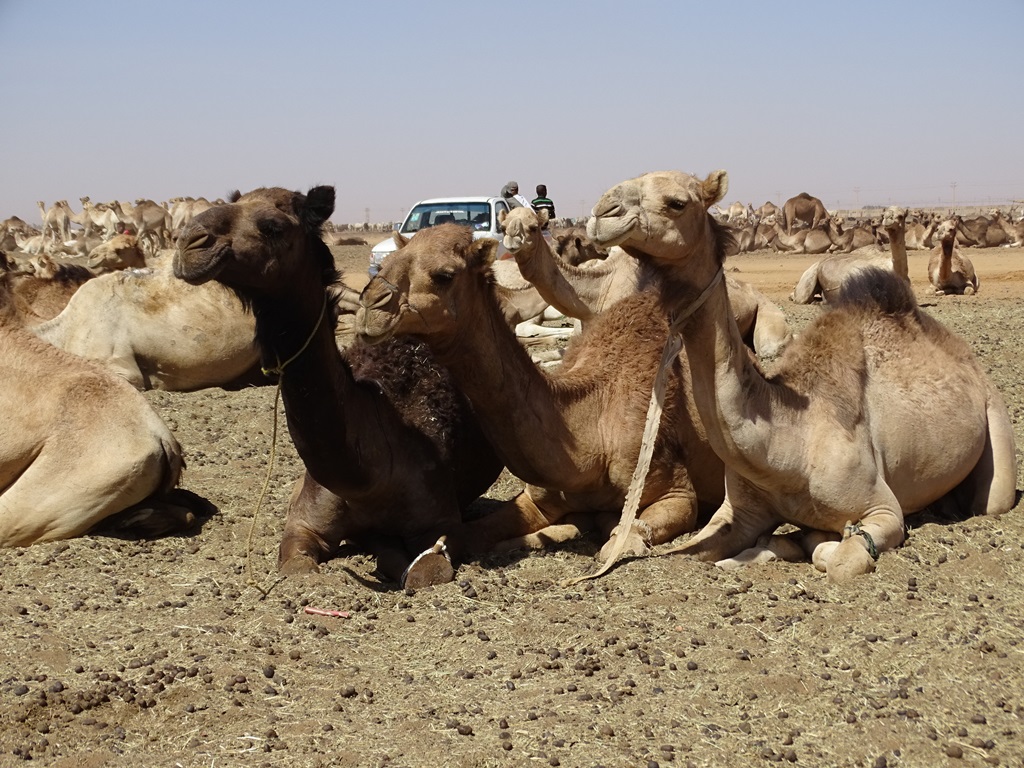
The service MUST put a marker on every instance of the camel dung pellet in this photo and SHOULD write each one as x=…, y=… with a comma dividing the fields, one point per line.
x=954, y=750
x=606, y=730
x=465, y=730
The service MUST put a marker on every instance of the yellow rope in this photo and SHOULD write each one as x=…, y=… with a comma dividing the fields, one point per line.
x=279, y=370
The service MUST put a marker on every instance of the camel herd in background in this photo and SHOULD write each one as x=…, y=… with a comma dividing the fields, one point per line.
x=803, y=225
x=162, y=305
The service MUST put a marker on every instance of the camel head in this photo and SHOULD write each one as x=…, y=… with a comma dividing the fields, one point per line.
x=419, y=288
x=522, y=227
x=657, y=215
x=119, y=252
x=946, y=231
x=258, y=240
x=894, y=218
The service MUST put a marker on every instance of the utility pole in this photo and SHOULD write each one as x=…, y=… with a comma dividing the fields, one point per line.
x=953, y=186
x=366, y=211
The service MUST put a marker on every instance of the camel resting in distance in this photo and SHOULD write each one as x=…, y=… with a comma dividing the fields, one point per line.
x=949, y=270
x=584, y=292
x=823, y=279
x=572, y=433
x=802, y=210
x=44, y=290
x=839, y=442
x=393, y=454
x=157, y=332
x=79, y=447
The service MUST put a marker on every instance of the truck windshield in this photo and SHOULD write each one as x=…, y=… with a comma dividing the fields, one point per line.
x=476, y=215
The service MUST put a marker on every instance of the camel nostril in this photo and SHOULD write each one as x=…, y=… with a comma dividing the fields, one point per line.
x=198, y=240
x=606, y=208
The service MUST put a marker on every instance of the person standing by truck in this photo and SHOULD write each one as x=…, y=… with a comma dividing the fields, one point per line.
x=543, y=202
x=510, y=192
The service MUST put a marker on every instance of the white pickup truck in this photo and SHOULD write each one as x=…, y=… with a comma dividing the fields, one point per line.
x=480, y=213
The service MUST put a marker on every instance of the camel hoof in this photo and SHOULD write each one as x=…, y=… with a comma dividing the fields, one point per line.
x=297, y=565
x=635, y=547
x=850, y=560
x=751, y=556
x=428, y=570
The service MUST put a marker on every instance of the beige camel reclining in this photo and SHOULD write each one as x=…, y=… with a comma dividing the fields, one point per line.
x=157, y=332
x=78, y=445
x=837, y=441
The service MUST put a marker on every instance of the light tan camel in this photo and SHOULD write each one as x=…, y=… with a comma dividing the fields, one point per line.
x=814, y=240
x=848, y=240
x=950, y=271
x=802, y=210
x=93, y=218
x=56, y=221
x=920, y=231
x=1014, y=230
x=150, y=221
x=572, y=434
x=876, y=411
x=157, y=332
x=584, y=293
x=119, y=252
x=78, y=446
x=823, y=279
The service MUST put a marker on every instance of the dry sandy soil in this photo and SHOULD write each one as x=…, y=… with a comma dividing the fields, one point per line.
x=163, y=653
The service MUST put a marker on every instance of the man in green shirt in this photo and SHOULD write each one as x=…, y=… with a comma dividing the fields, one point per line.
x=543, y=202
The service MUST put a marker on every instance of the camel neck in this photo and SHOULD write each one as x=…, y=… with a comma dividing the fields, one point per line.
x=898, y=249
x=514, y=400
x=727, y=386
x=317, y=386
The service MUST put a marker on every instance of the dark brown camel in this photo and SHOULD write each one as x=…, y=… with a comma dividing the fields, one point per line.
x=392, y=452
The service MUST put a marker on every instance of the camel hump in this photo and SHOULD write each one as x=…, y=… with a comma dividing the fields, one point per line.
x=882, y=290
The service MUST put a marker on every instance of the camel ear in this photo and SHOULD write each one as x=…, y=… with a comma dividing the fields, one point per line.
x=483, y=251
x=319, y=206
x=400, y=240
x=542, y=214
x=502, y=215
x=714, y=187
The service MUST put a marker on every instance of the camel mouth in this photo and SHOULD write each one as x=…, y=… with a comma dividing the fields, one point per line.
x=197, y=266
x=372, y=327
x=612, y=230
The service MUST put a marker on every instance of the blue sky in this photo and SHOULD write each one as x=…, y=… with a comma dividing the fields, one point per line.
x=391, y=102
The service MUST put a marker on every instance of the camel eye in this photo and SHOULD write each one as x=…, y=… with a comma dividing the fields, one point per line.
x=269, y=227
x=675, y=204
x=442, y=279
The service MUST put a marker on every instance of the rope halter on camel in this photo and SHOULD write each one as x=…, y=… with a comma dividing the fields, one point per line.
x=279, y=370
x=673, y=345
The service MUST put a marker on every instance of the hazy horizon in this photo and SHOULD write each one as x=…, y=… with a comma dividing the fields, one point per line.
x=866, y=104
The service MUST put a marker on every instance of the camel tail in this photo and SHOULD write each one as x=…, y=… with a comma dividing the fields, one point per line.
x=877, y=289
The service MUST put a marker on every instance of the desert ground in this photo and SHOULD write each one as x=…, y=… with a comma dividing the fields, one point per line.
x=190, y=651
